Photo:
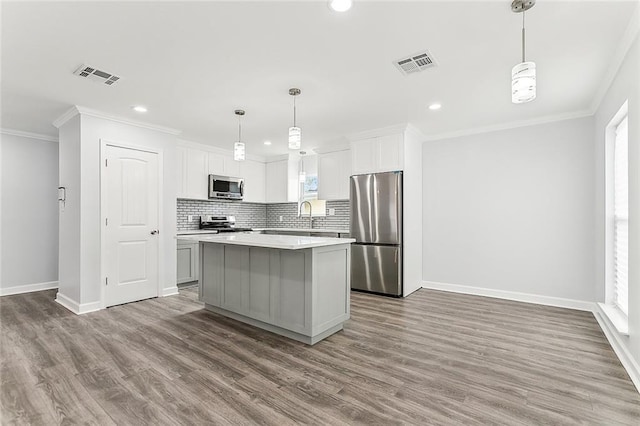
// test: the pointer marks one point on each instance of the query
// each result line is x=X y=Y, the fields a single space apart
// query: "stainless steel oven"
x=226 y=187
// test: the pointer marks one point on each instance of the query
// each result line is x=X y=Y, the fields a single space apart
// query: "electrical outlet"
x=332 y=212
x=280 y=218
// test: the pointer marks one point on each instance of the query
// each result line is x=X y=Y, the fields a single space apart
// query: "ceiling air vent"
x=96 y=75
x=415 y=63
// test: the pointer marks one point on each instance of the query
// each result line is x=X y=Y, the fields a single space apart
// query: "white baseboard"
x=75 y=307
x=559 y=302
x=169 y=291
x=617 y=342
x=28 y=288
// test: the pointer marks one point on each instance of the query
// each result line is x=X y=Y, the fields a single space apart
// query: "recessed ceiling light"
x=434 y=107
x=267 y=143
x=139 y=108
x=340 y=5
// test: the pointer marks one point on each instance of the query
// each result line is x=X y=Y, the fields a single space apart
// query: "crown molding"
x=511 y=125
x=384 y=131
x=75 y=110
x=629 y=37
x=217 y=149
x=66 y=116
x=29 y=135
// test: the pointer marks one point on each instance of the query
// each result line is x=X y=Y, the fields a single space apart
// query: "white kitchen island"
x=297 y=287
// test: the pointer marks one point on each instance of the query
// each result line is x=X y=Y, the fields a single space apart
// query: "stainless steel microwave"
x=226 y=187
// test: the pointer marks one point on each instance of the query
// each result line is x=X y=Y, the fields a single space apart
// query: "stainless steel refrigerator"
x=376 y=225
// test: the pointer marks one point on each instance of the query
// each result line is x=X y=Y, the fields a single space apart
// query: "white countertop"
x=284 y=242
x=333 y=231
x=209 y=231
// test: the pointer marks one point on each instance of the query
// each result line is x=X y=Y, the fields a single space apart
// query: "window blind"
x=621 y=217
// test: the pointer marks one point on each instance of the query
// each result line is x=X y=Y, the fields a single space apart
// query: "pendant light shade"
x=523 y=75
x=238 y=147
x=523 y=82
x=295 y=137
x=295 y=134
x=238 y=151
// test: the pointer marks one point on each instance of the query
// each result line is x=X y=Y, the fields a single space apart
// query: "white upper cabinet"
x=282 y=181
x=254 y=174
x=181 y=159
x=195 y=165
x=334 y=170
x=377 y=154
x=195 y=175
x=390 y=153
x=223 y=165
x=277 y=174
x=363 y=156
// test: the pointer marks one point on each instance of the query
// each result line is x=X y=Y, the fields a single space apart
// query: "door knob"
x=155 y=231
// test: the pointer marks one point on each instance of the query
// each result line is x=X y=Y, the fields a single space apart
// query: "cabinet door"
x=197 y=174
x=235 y=288
x=334 y=169
x=212 y=268
x=277 y=185
x=223 y=165
x=254 y=174
x=363 y=156
x=181 y=159
x=260 y=301
x=389 y=153
x=231 y=166
x=290 y=275
x=216 y=164
x=187 y=262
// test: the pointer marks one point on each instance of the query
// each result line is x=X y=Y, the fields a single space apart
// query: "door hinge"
x=106 y=162
x=106 y=221
x=106 y=280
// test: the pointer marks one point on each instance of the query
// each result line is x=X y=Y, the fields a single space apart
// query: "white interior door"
x=131 y=225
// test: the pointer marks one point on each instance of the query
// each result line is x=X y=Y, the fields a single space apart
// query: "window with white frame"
x=620 y=249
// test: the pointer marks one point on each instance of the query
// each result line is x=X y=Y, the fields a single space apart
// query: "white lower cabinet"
x=188 y=262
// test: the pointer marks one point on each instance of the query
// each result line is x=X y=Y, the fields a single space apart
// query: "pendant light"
x=302 y=176
x=523 y=75
x=295 y=134
x=238 y=147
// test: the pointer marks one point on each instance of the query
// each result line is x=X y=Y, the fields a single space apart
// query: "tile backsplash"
x=248 y=215
x=290 y=219
x=256 y=215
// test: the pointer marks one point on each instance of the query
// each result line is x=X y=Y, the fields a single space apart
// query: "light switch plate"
x=332 y=212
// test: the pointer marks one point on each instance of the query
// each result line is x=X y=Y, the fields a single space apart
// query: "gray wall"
x=29 y=218
x=512 y=210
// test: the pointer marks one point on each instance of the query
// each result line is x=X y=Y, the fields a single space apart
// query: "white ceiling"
x=193 y=63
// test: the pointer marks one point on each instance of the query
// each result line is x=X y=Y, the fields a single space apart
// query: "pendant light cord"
x=523 y=47
x=239 y=128
x=294 y=111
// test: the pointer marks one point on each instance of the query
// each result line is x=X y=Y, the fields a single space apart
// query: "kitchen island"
x=294 y=286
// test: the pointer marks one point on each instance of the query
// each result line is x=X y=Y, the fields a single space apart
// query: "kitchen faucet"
x=310 y=212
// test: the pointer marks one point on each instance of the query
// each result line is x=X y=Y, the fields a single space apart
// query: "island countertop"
x=284 y=242
x=286 y=230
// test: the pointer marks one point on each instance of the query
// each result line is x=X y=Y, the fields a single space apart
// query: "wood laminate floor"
x=433 y=358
